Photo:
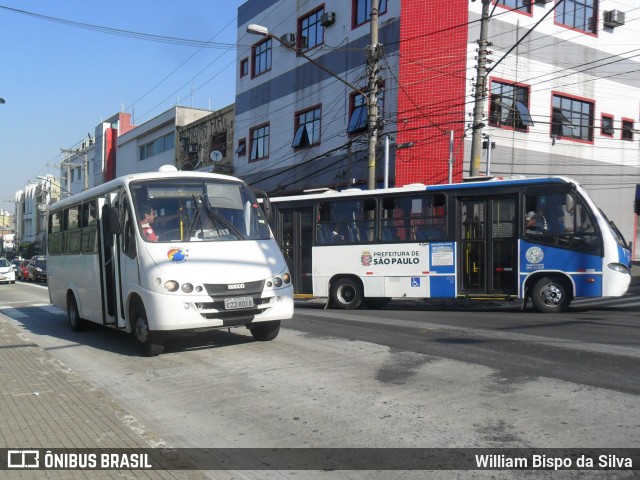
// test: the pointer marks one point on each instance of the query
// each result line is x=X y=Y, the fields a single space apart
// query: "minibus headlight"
x=171 y=285
x=278 y=281
x=187 y=288
x=619 y=267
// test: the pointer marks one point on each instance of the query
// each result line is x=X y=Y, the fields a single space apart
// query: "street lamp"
x=372 y=95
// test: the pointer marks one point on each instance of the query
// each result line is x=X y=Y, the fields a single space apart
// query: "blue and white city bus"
x=167 y=252
x=472 y=240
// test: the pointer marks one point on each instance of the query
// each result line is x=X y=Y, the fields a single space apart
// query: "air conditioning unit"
x=613 y=18
x=327 y=19
x=192 y=148
x=304 y=43
x=289 y=39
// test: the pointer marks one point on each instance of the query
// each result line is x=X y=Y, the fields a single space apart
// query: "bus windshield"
x=203 y=210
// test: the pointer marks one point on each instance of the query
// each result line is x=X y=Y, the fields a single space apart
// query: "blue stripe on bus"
x=489 y=183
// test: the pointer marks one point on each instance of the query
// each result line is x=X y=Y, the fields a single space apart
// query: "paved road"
x=421 y=377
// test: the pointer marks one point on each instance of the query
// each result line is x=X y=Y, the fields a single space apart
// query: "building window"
x=572 y=118
x=359 y=111
x=261 y=54
x=244 y=67
x=307 y=128
x=508 y=106
x=627 y=129
x=159 y=145
x=259 y=141
x=362 y=11
x=310 y=30
x=519 y=5
x=578 y=14
x=219 y=143
x=241 y=149
x=606 y=125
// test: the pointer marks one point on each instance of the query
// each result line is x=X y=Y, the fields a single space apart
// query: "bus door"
x=127 y=268
x=106 y=253
x=488 y=246
x=296 y=239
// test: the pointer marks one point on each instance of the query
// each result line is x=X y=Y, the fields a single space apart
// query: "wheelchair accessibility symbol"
x=415 y=281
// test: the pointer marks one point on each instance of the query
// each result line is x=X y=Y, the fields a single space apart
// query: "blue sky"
x=59 y=81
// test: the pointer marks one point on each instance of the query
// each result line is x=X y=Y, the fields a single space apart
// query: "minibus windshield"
x=197 y=210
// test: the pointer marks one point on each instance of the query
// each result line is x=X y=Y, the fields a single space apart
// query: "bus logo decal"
x=534 y=255
x=366 y=258
x=235 y=286
x=177 y=254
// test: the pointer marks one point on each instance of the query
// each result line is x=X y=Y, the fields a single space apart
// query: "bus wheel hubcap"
x=347 y=294
x=552 y=294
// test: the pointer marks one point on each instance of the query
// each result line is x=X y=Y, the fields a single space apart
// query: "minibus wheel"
x=150 y=344
x=550 y=295
x=76 y=323
x=265 y=331
x=346 y=294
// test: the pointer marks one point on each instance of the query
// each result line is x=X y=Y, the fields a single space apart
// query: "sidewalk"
x=45 y=405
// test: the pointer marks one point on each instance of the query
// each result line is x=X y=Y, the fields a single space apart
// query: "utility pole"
x=481 y=87
x=373 y=55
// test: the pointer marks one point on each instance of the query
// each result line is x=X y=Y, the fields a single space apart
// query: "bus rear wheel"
x=150 y=344
x=76 y=323
x=346 y=294
x=550 y=295
x=265 y=331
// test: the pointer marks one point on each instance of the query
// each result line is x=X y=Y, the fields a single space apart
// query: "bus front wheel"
x=76 y=323
x=265 y=331
x=346 y=294
x=150 y=344
x=550 y=295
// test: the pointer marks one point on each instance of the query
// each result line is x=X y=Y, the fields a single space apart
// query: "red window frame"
x=622 y=129
x=602 y=132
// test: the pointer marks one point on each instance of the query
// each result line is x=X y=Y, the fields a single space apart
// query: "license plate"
x=238 y=302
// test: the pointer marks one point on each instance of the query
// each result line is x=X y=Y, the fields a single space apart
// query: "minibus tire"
x=265 y=331
x=346 y=294
x=150 y=345
x=76 y=323
x=550 y=295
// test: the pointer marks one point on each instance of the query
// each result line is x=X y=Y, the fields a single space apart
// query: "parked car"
x=7 y=275
x=37 y=269
x=23 y=271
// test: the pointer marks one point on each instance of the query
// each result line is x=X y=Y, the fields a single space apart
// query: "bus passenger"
x=531 y=226
x=147 y=217
x=336 y=236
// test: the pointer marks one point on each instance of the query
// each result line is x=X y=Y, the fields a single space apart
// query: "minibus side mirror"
x=266 y=204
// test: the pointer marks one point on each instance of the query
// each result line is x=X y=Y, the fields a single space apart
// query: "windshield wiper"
x=216 y=217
